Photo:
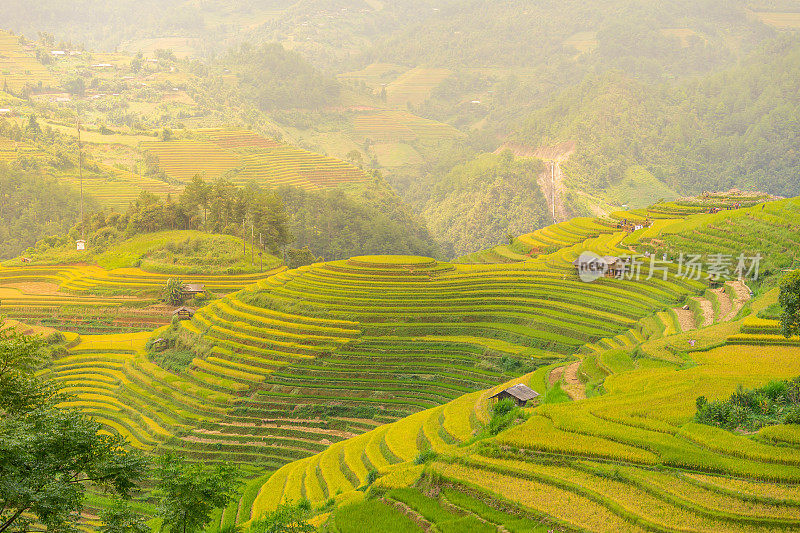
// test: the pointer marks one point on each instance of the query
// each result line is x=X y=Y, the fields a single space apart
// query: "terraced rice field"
x=10 y=150
x=785 y=21
x=414 y=86
x=253 y=158
x=116 y=188
x=415 y=331
x=92 y=299
x=631 y=460
x=19 y=67
x=667 y=218
x=183 y=159
x=318 y=379
x=398 y=126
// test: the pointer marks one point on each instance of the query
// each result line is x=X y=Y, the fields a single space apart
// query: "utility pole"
x=244 y=238
x=553 y=181
x=261 y=251
x=80 y=164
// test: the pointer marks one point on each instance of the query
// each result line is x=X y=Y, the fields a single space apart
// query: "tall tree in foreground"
x=190 y=492
x=49 y=454
x=789 y=300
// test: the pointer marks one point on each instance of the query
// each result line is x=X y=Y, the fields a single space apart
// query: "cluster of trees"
x=318 y=225
x=477 y=204
x=273 y=78
x=32 y=206
x=336 y=225
x=218 y=207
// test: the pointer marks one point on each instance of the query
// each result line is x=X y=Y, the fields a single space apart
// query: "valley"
x=449 y=266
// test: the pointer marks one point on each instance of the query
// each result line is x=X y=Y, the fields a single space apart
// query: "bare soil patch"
x=685 y=319
x=555 y=375
x=575 y=387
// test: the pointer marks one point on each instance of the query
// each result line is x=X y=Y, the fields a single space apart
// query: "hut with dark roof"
x=521 y=394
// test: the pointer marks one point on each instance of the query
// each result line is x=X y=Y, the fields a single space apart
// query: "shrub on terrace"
x=789 y=301
x=778 y=402
x=173 y=293
x=288 y=517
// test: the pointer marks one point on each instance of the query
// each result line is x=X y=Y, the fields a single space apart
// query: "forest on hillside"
x=675 y=98
x=735 y=128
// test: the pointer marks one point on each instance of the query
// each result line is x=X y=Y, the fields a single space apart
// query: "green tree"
x=189 y=493
x=121 y=518
x=286 y=518
x=173 y=292
x=789 y=300
x=49 y=454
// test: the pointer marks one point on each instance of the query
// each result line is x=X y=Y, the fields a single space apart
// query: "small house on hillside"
x=612 y=266
x=521 y=394
x=192 y=289
x=183 y=313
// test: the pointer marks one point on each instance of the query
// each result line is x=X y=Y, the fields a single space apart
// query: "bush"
x=424 y=456
x=793 y=417
x=55 y=338
x=775 y=403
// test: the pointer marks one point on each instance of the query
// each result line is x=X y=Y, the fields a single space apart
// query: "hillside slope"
x=629 y=458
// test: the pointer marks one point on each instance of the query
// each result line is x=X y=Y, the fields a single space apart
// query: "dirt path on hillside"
x=575 y=387
x=551 y=179
x=725 y=304
x=555 y=375
x=742 y=292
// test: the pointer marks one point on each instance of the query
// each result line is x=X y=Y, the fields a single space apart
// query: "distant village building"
x=192 y=289
x=521 y=394
x=80 y=244
x=611 y=265
x=102 y=65
x=5 y=111
x=183 y=313
x=58 y=52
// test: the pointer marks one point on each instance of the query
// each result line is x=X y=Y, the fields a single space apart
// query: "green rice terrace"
x=364 y=386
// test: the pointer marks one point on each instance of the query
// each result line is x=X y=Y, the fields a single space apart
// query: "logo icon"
x=590 y=267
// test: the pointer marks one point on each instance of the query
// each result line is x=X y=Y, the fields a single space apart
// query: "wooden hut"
x=183 y=313
x=192 y=289
x=521 y=394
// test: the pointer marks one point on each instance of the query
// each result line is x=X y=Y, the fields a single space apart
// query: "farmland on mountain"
x=441 y=266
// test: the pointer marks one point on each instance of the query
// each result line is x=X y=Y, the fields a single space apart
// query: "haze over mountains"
x=671 y=99
x=508 y=266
